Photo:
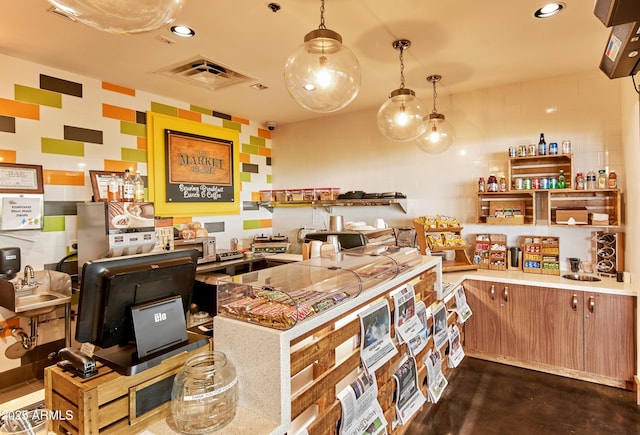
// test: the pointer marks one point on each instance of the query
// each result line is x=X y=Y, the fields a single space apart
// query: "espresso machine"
x=113 y=229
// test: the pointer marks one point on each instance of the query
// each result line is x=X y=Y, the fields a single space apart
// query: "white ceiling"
x=472 y=44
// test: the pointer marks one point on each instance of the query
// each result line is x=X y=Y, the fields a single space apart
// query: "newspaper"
x=456 y=352
x=420 y=340
x=361 y=412
x=462 y=307
x=376 y=346
x=436 y=382
x=407 y=323
x=409 y=396
x=440 y=330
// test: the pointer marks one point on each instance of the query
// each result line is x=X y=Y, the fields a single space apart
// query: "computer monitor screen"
x=111 y=287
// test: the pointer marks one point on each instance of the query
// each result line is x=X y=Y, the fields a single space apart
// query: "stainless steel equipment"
x=272 y=244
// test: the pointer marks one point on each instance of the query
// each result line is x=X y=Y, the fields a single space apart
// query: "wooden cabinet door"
x=609 y=335
x=560 y=330
x=520 y=317
x=482 y=329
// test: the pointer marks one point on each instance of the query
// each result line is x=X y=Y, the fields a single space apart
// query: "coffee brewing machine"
x=114 y=229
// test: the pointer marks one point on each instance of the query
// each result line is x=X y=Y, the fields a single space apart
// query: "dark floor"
x=485 y=398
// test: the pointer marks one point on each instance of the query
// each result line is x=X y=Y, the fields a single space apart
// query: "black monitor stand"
x=160 y=330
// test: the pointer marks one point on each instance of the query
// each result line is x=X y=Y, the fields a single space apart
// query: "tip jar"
x=205 y=393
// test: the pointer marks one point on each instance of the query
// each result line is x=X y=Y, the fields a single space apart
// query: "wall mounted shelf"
x=375 y=202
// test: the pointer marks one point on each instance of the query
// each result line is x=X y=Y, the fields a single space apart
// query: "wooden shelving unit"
x=487 y=203
x=541 y=254
x=600 y=201
x=491 y=251
x=541 y=166
x=461 y=260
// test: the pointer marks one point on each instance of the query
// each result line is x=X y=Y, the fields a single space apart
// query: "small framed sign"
x=19 y=178
x=100 y=183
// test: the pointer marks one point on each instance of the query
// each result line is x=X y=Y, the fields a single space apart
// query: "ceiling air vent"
x=205 y=72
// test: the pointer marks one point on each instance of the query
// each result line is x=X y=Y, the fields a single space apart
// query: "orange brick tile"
x=245 y=158
x=187 y=114
x=142 y=143
x=63 y=178
x=255 y=196
x=266 y=223
x=121 y=113
x=182 y=220
x=240 y=120
x=7 y=156
x=117 y=88
x=266 y=134
x=19 y=109
x=264 y=151
x=120 y=166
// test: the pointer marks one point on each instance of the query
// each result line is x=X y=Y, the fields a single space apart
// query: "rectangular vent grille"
x=205 y=72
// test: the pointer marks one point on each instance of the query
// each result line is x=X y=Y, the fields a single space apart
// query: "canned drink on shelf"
x=522 y=151
x=518 y=184
x=553 y=183
x=544 y=183
x=513 y=151
x=535 y=182
x=553 y=148
x=531 y=150
x=566 y=147
x=526 y=183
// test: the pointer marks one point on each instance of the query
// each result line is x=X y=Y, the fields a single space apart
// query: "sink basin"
x=579 y=277
x=39 y=303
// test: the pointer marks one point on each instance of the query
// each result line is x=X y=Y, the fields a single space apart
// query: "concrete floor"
x=485 y=398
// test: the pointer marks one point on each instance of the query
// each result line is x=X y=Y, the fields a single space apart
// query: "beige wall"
x=347 y=151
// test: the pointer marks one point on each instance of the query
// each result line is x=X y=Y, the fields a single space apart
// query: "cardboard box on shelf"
x=580 y=215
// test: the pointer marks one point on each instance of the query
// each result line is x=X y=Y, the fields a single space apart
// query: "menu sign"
x=199 y=168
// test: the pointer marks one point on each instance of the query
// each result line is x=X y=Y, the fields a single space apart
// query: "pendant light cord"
x=401 y=67
x=435 y=95
x=322 y=26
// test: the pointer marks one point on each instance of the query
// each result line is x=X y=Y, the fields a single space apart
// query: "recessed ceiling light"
x=184 y=31
x=549 y=10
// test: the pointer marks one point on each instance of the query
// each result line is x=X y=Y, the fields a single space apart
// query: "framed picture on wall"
x=100 y=183
x=19 y=178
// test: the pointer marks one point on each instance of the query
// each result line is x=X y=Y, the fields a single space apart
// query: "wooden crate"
x=541 y=254
x=110 y=403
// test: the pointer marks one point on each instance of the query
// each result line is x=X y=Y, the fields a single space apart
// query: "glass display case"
x=282 y=296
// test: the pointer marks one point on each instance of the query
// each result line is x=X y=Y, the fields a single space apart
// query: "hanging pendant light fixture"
x=121 y=16
x=439 y=134
x=401 y=117
x=322 y=75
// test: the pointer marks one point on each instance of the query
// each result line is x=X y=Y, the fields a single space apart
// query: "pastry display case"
x=281 y=296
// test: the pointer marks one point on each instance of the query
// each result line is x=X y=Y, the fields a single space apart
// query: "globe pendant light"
x=121 y=16
x=401 y=117
x=322 y=75
x=439 y=134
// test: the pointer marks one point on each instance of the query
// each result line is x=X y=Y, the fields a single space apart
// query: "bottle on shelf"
x=492 y=183
x=502 y=185
x=562 y=181
x=542 y=146
x=138 y=187
x=127 y=186
x=481 y=185
x=580 y=183
x=591 y=180
x=113 y=189
x=613 y=180
x=602 y=179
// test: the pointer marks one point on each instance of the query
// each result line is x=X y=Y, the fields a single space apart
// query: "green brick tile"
x=133 y=129
x=251 y=224
x=202 y=110
x=255 y=140
x=60 y=146
x=245 y=177
x=164 y=109
x=249 y=149
x=53 y=223
x=38 y=96
x=134 y=155
x=269 y=181
x=231 y=125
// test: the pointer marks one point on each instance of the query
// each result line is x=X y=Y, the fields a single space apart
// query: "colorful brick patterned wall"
x=71 y=124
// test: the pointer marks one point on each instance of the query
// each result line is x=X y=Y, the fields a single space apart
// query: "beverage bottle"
x=613 y=180
x=492 y=183
x=127 y=187
x=580 y=181
x=591 y=180
x=113 y=189
x=138 y=188
x=602 y=179
x=562 y=181
x=542 y=146
x=502 y=185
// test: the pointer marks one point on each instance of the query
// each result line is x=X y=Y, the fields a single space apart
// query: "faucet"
x=29 y=275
